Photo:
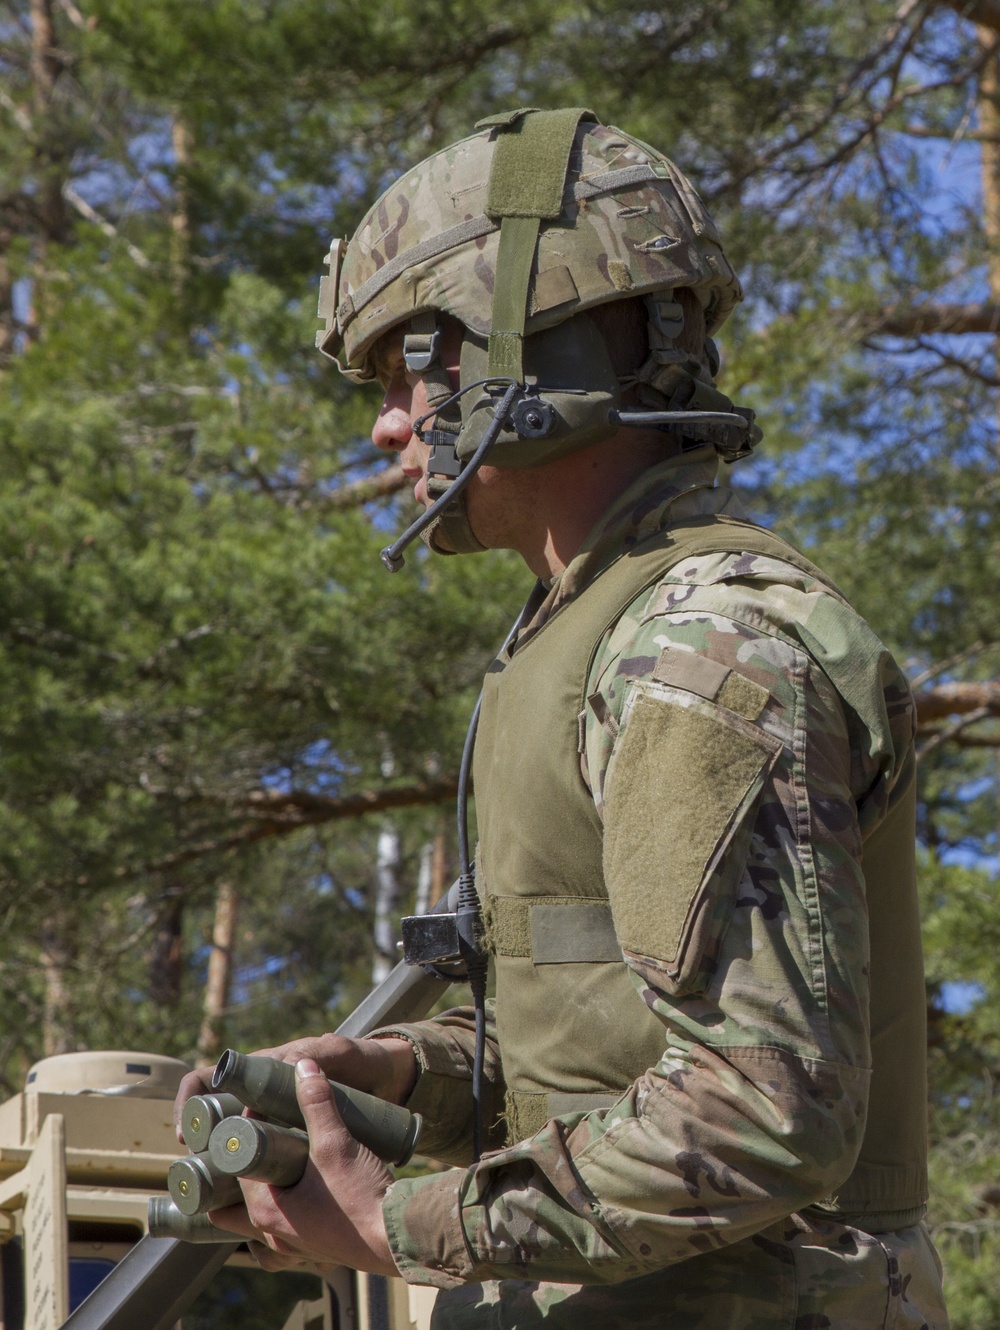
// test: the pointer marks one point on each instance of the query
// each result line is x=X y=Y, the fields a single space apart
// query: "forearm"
x=704 y=1150
x=444 y=1049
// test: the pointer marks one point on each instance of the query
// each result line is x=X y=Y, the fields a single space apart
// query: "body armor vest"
x=573 y=1032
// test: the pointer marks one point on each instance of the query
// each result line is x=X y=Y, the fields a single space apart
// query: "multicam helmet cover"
x=630 y=224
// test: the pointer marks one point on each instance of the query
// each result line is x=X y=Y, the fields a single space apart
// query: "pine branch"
x=951 y=662
x=917 y=320
x=953 y=730
x=357 y=492
x=278 y=813
x=957 y=362
x=962 y=740
x=984 y=12
x=75 y=17
x=92 y=215
x=949 y=135
x=957 y=699
x=21 y=117
x=305 y=807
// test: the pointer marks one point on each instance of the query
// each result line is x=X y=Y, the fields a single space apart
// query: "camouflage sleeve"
x=728 y=760
x=442 y=1096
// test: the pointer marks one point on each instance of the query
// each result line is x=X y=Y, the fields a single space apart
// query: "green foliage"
x=961 y=909
x=965 y=1218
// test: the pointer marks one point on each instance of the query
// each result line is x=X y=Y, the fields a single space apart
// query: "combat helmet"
x=516 y=232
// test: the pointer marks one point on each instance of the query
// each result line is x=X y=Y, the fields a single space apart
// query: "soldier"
x=695 y=791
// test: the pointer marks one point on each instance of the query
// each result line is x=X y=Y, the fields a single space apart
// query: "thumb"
x=312 y=1089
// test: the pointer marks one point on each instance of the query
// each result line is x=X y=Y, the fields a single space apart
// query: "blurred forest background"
x=228 y=740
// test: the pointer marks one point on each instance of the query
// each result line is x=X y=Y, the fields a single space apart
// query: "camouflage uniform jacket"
x=697 y=1199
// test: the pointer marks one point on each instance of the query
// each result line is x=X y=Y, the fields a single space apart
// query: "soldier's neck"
x=572 y=493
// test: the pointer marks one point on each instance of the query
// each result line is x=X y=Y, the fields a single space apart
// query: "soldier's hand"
x=383 y=1067
x=334 y=1215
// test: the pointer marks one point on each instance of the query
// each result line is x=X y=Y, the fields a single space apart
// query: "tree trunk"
x=50 y=158
x=166 y=956
x=182 y=142
x=988 y=99
x=220 y=975
x=386 y=900
x=425 y=877
x=6 y=299
x=439 y=873
x=58 y=953
x=50 y=152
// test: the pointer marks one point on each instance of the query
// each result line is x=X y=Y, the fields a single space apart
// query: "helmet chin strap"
x=392 y=555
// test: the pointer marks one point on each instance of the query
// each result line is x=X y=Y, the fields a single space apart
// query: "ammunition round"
x=247 y=1148
x=196 y=1186
x=166 y=1221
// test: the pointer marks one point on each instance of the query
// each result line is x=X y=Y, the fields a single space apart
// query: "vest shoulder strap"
x=720 y=535
x=617 y=586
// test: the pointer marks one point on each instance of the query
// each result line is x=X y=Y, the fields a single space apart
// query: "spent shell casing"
x=247 y=1148
x=164 y=1220
x=268 y=1087
x=202 y=1113
x=197 y=1186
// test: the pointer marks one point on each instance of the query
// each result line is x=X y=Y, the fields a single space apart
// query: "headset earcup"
x=570 y=367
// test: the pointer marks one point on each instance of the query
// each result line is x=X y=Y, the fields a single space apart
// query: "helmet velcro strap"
x=526 y=186
x=518 y=238
x=327 y=310
x=528 y=172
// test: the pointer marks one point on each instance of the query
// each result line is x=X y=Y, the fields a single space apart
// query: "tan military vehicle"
x=82 y=1149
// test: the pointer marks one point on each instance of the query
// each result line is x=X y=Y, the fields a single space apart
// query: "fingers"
x=358 y=1062
x=268 y=1250
x=234 y=1219
x=326 y=1047
x=334 y=1214
x=383 y=1067
x=195 y=1082
x=269 y=1259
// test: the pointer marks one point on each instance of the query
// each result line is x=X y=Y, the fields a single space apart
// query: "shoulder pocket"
x=682 y=789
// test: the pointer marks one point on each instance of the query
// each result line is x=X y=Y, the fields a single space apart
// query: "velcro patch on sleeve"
x=685 y=669
x=742 y=695
x=680 y=790
x=711 y=680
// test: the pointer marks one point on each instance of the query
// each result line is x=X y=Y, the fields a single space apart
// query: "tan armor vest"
x=572 y=1030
